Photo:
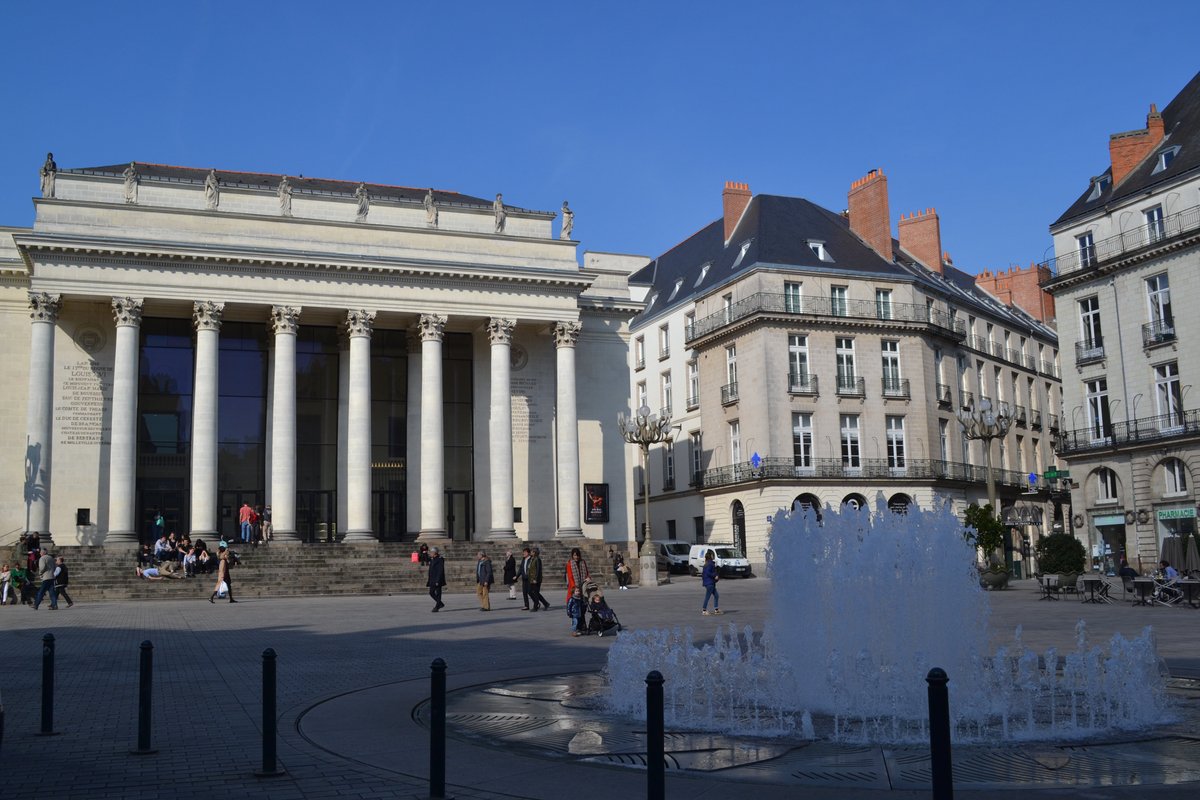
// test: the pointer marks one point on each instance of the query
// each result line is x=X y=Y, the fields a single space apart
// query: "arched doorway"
x=899 y=503
x=807 y=503
x=739 y=526
x=856 y=501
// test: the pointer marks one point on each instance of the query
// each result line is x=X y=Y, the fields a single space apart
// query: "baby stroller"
x=601 y=618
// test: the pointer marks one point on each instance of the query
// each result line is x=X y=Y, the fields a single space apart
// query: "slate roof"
x=270 y=182
x=1181 y=126
x=777 y=231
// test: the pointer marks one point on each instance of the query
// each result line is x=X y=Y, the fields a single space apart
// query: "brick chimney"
x=921 y=236
x=869 y=216
x=735 y=198
x=1129 y=149
x=1021 y=288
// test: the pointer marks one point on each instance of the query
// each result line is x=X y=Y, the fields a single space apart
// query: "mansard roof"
x=1181 y=127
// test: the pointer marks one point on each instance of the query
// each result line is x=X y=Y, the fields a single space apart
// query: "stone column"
x=358 y=428
x=206 y=315
x=412 y=446
x=566 y=334
x=39 y=420
x=433 y=457
x=122 y=463
x=500 y=447
x=285 y=322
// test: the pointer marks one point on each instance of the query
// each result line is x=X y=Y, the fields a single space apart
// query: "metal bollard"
x=145 y=677
x=939 y=734
x=437 y=730
x=47 y=686
x=270 y=723
x=656 y=768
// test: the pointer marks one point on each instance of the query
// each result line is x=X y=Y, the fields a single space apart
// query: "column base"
x=121 y=539
x=432 y=535
x=502 y=535
x=283 y=537
x=207 y=536
x=569 y=533
x=360 y=537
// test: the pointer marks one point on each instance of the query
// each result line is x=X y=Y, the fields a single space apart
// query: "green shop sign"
x=1177 y=513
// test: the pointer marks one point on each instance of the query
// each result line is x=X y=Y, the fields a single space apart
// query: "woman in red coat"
x=577 y=573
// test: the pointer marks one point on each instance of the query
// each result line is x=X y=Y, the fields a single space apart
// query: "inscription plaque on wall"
x=528 y=419
x=83 y=388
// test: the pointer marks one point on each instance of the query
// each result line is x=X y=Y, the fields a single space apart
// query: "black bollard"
x=656 y=766
x=270 y=765
x=145 y=676
x=939 y=734
x=437 y=730
x=47 y=685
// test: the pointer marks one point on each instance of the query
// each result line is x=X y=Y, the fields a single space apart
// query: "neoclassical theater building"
x=371 y=362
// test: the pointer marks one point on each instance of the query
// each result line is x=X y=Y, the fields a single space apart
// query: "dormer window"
x=1099 y=186
x=1165 y=157
x=741 y=254
x=703 y=274
x=675 y=291
x=650 y=302
x=818 y=248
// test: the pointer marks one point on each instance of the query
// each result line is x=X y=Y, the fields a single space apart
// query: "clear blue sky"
x=994 y=113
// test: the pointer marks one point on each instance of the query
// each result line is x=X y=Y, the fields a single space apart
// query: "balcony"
x=978 y=343
x=1089 y=351
x=1158 y=332
x=639 y=362
x=824 y=307
x=693 y=402
x=802 y=383
x=945 y=397
x=896 y=388
x=664 y=354
x=1147 y=430
x=966 y=399
x=729 y=393
x=997 y=349
x=850 y=386
x=1048 y=368
x=1035 y=419
x=865 y=468
x=1020 y=416
x=1052 y=422
x=1112 y=248
x=1030 y=362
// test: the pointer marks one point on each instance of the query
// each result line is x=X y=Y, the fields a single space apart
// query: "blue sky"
x=996 y=114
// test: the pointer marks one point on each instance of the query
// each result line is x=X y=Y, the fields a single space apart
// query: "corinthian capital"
x=127 y=311
x=566 y=334
x=500 y=330
x=432 y=327
x=206 y=315
x=359 y=321
x=44 y=307
x=285 y=319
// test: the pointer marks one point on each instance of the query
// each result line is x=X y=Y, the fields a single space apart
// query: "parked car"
x=671 y=555
x=729 y=560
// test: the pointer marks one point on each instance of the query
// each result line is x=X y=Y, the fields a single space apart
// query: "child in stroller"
x=602 y=619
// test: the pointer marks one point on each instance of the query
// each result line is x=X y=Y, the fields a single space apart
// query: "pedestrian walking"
x=709 y=578
x=62 y=579
x=510 y=574
x=484 y=578
x=577 y=573
x=45 y=568
x=436 y=578
x=523 y=575
x=534 y=572
x=225 y=562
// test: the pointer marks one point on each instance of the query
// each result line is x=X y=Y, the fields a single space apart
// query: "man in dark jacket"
x=534 y=574
x=523 y=574
x=62 y=579
x=436 y=577
x=484 y=577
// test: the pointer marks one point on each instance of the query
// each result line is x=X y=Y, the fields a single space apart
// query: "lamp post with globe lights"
x=645 y=429
x=985 y=424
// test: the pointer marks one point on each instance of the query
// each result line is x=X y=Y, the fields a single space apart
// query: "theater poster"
x=595 y=508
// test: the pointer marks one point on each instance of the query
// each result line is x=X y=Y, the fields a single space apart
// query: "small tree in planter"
x=1060 y=553
x=986 y=533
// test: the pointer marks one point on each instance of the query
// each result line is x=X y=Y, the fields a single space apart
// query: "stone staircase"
x=277 y=570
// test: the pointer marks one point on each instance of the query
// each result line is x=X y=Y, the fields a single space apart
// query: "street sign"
x=1055 y=474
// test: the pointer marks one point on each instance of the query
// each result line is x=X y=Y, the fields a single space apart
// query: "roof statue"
x=431 y=210
x=498 y=207
x=285 y=197
x=212 y=191
x=364 y=202
x=48 y=172
x=568 y=222
x=131 y=183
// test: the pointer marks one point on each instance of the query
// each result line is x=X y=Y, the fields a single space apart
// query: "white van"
x=671 y=555
x=728 y=558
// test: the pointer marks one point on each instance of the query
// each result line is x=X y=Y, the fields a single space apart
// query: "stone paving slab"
x=207 y=685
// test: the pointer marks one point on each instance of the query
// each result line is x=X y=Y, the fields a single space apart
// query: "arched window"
x=1106 y=485
x=855 y=501
x=899 y=503
x=1175 y=477
x=807 y=503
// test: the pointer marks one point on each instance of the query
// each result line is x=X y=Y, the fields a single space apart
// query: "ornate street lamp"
x=984 y=424
x=646 y=429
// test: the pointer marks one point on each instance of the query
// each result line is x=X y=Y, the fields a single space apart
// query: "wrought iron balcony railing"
x=851 y=386
x=693 y=402
x=802 y=383
x=729 y=393
x=1163 y=427
x=966 y=399
x=1091 y=257
x=1052 y=421
x=1020 y=415
x=1158 y=332
x=865 y=468
x=1048 y=368
x=767 y=302
x=896 y=388
x=1089 y=350
x=945 y=397
x=1035 y=419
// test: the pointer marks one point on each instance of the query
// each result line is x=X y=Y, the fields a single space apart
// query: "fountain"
x=863 y=605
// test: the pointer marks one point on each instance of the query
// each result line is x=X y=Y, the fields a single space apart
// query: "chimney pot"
x=734 y=200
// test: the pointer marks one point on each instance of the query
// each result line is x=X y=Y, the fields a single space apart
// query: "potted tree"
x=986 y=532
x=1061 y=554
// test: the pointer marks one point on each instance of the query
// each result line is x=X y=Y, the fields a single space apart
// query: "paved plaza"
x=336 y=740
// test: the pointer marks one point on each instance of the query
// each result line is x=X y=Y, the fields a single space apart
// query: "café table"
x=1144 y=588
x=1191 y=591
x=1090 y=584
